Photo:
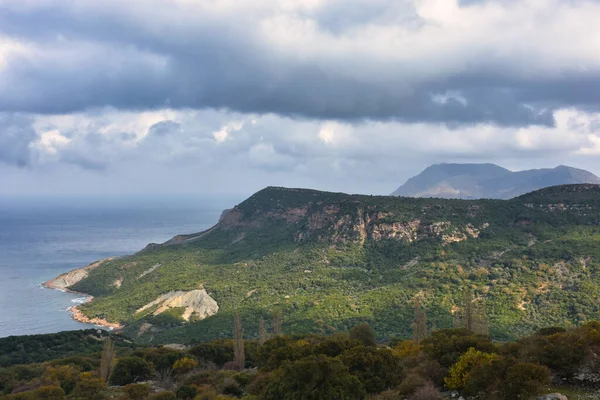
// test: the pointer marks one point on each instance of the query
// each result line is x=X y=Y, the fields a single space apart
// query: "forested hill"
x=330 y=260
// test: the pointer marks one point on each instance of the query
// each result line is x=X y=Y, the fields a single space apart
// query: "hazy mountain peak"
x=469 y=181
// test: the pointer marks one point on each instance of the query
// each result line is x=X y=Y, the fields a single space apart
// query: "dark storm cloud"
x=16 y=133
x=102 y=57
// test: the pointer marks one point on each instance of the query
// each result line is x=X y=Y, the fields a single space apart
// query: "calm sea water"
x=41 y=238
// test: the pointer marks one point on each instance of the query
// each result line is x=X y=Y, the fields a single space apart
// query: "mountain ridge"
x=331 y=260
x=473 y=181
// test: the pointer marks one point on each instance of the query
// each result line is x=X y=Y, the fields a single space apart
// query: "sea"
x=41 y=238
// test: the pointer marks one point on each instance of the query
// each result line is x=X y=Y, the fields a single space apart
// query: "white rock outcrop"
x=197 y=303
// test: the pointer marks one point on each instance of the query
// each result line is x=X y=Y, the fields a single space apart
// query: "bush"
x=231 y=387
x=184 y=365
x=411 y=383
x=326 y=377
x=89 y=388
x=163 y=396
x=376 y=369
x=186 y=392
x=447 y=345
x=64 y=376
x=525 y=379
x=364 y=333
x=459 y=373
x=335 y=345
x=137 y=391
x=129 y=370
x=274 y=352
x=218 y=351
x=427 y=392
x=50 y=393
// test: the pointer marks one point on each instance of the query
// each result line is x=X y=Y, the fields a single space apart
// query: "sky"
x=228 y=96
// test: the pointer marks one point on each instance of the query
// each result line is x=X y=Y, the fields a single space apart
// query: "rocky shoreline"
x=62 y=282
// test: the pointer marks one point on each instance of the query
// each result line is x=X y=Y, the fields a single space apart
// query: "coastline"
x=76 y=313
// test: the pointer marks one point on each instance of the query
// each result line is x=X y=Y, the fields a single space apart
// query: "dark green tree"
x=130 y=370
x=377 y=369
x=364 y=333
x=314 y=378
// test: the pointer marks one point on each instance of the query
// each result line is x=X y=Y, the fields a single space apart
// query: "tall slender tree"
x=468 y=314
x=238 y=349
x=419 y=325
x=262 y=331
x=277 y=321
x=107 y=359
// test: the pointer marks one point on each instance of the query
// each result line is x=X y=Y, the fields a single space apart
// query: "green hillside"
x=331 y=260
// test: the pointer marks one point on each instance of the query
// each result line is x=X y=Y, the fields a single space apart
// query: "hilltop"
x=475 y=181
x=332 y=260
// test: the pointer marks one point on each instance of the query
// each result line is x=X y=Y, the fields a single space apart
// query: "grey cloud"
x=223 y=65
x=16 y=134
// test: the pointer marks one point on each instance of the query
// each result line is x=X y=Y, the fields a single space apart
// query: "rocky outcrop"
x=80 y=317
x=63 y=281
x=197 y=304
x=553 y=396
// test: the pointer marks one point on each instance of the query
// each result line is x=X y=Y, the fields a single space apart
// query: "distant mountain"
x=488 y=181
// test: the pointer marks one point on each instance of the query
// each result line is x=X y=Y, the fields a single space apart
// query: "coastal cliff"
x=63 y=281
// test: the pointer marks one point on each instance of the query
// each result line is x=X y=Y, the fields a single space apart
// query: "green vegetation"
x=40 y=348
x=330 y=261
x=326 y=367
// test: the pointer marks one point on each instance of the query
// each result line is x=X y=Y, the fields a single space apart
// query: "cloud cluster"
x=507 y=62
x=352 y=95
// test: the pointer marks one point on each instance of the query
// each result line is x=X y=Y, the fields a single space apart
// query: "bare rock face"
x=63 y=281
x=553 y=396
x=197 y=303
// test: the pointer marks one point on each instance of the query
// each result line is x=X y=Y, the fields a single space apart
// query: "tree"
x=459 y=372
x=364 y=333
x=447 y=345
x=377 y=369
x=107 y=359
x=525 y=379
x=89 y=388
x=277 y=321
x=313 y=378
x=419 y=325
x=471 y=316
x=129 y=370
x=239 y=357
x=262 y=332
x=184 y=365
x=137 y=391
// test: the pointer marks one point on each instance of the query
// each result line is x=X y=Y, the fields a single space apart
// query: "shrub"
x=427 y=392
x=231 y=387
x=365 y=334
x=327 y=378
x=447 y=345
x=50 y=393
x=64 y=376
x=335 y=345
x=129 y=370
x=137 y=391
x=274 y=352
x=376 y=369
x=459 y=372
x=184 y=365
x=89 y=388
x=525 y=379
x=186 y=392
x=163 y=396
x=411 y=383
x=218 y=351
